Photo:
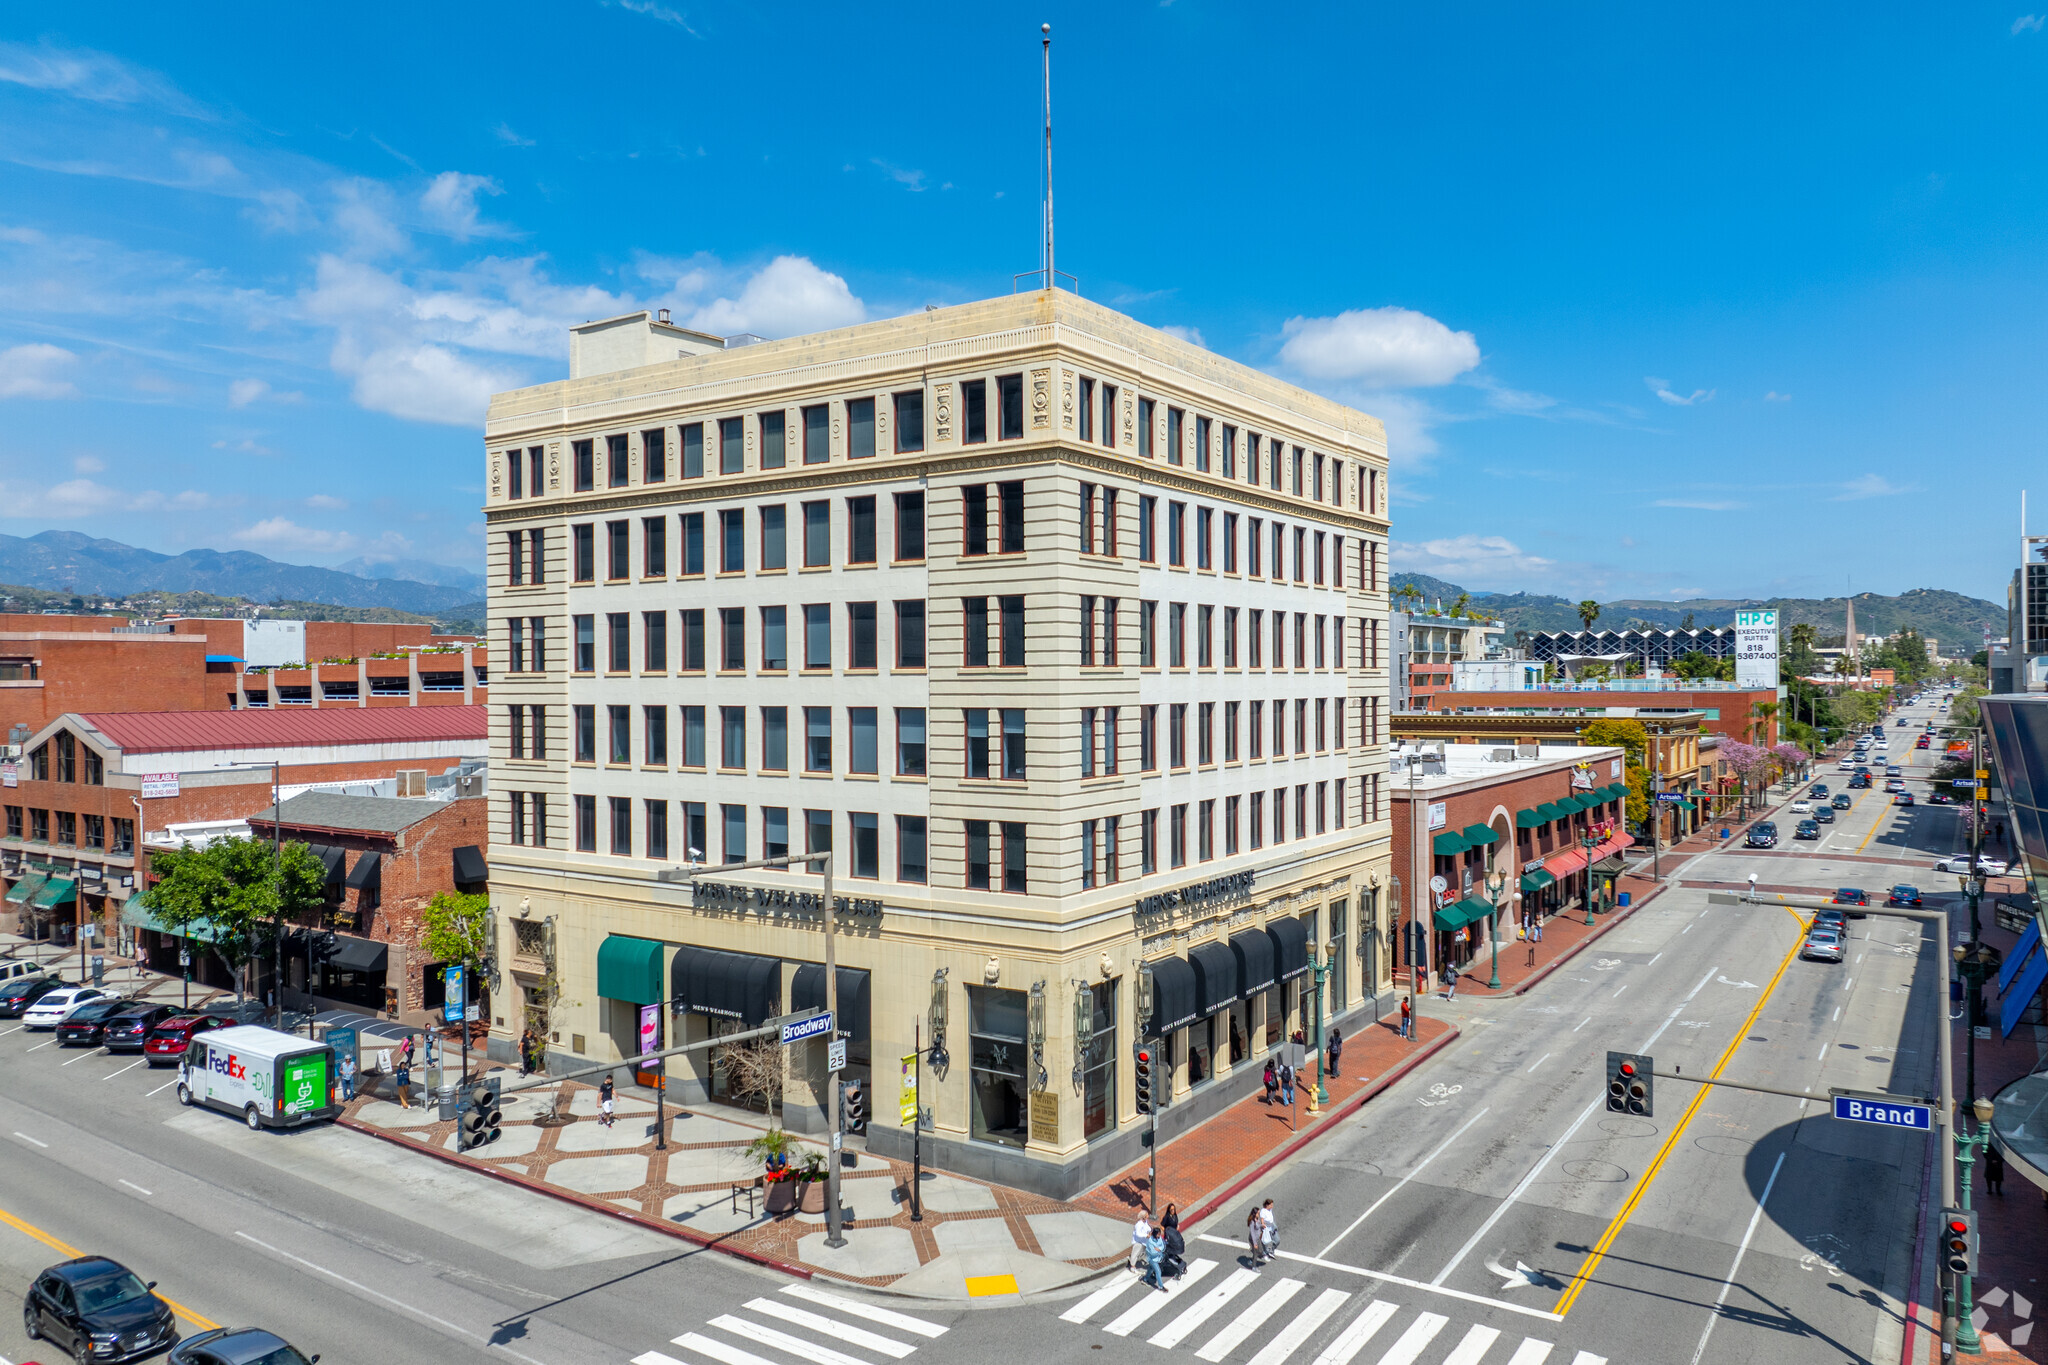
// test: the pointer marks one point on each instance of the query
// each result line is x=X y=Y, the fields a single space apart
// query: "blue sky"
x=1656 y=301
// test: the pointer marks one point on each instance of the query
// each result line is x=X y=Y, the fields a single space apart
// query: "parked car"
x=1806 y=829
x=1822 y=945
x=88 y=1023
x=1903 y=799
x=17 y=995
x=1802 y=807
x=1851 y=895
x=1824 y=814
x=1842 y=801
x=238 y=1346
x=129 y=1029
x=51 y=1010
x=97 y=1309
x=15 y=968
x=1762 y=834
x=1902 y=894
x=169 y=1039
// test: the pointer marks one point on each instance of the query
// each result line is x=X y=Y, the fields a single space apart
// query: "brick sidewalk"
x=1206 y=1165
x=1565 y=935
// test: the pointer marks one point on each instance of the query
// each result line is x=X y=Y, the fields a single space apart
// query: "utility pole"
x=277 y=889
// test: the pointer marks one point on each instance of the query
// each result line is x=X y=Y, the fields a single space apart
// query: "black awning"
x=367 y=874
x=470 y=866
x=729 y=985
x=1255 y=969
x=1290 y=947
x=330 y=858
x=1173 y=996
x=352 y=954
x=807 y=989
x=1216 y=979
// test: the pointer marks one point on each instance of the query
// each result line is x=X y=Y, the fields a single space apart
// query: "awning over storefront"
x=807 y=990
x=55 y=892
x=729 y=985
x=1173 y=996
x=332 y=859
x=368 y=875
x=1478 y=836
x=629 y=969
x=352 y=954
x=1564 y=864
x=1458 y=914
x=1529 y=819
x=1216 y=979
x=1290 y=947
x=1549 y=811
x=1255 y=959
x=1535 y=881
x=23 y=891
x=1448 y=844
x=135 y=913
x=470 y=866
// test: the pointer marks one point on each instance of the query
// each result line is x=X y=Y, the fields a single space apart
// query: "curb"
x=1610 y=922
x=1216 y=1198
x=801 y=1272
x=1909 y=1353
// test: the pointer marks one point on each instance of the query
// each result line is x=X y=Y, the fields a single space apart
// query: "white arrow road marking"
x=1738 y=985
x=1517 y=1278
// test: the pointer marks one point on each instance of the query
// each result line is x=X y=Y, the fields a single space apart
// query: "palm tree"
x=1458 y=607
x=1762 y=712
x=1589 y=612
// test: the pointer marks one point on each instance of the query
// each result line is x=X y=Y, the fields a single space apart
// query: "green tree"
x=1962 y=712
x=1800 y=659
x=1634 y=741
x=1589 y=612
x=1462 y=604
x=230 y=895
x=1761 y=713
x=457 y=928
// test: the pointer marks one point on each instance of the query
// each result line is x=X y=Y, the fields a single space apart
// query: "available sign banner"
x=1756 y=648
x=159 y=784
x=305 y=1083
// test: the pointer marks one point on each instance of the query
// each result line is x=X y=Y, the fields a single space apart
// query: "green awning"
x=1458 y=914
x=136 y=914
x=1571 y=805
x=1478 y=836
x=1529 y=819
x=23 y=890
x=629 y=969
x=1448 y=845
x=1535 y=881
x=1549 y=811
x=55 y=892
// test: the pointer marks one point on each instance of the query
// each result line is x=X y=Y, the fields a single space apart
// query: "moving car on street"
x=238 y=1346
x=52 y=1009
x=1831 y=919
x=1822 y=945
x=1902 y=894
x=1824 y=814
x=1842 y=801
x=1859 y=782
x=1959 y=863
x=97 y=1309
x=1802 y=807
x=1762 y=834
x=1904 y=798
x=1851 y=895
x=1806 y=829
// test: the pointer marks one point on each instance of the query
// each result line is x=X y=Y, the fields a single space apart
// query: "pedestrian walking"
x=604 y=1102
x=526 y=1043
x=1336 y=1052
x=1255 y=1236
x=1174 y=1263
x=348 y=1074
x=1287 y=1084
x=1539 y=928
x=1155 y=1256
x=1141 y=1232
x=1994 y=1170
x=1450 y=983
x=1269 y=1233
x=401 y=1074
x=1272 y=1079
x=1407 y=1018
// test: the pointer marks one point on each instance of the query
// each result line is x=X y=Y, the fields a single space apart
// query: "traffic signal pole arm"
x=1872 y=1095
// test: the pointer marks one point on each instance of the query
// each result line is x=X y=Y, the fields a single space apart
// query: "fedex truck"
x=271 y=1079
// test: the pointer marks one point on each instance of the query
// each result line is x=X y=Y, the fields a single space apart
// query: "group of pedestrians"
x=1159 y=1250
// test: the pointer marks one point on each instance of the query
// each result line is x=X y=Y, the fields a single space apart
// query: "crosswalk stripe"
x=1357 y=1332
x=717 y=1350
x=1588 y=1358
x=1420 y=1333
x=1530 y=1352
x=655 y=1358
x=1134 y=1317
x=1473 y=1346
x=1087 y=1307
x=832 y=1327
x=1300 y=1328
x=1249 y=1321
x=783 y=1341
x=888 y=1317
x=1182 y=1327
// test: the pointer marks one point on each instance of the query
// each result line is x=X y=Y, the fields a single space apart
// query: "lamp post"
x=1496 y=882
x=1977 y=961
x=1967 y=1147
x=1586 y=842
x=1321 y=1096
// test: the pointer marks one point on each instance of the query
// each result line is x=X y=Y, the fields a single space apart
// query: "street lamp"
x=1496 y=882
x=1977 y=961
x=1967 y=1147
x=1586 y=842
x=1322 y=968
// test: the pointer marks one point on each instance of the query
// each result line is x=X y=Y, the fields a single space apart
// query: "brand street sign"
x=1886 y=1114
x=818 y=1025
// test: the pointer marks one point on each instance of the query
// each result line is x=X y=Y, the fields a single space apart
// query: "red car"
x=168 y=1040
x=1920 y=743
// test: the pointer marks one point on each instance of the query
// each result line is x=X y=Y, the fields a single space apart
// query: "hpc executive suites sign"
x=1756 y=649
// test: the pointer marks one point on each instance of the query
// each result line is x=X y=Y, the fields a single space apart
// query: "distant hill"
x=65 y=561
x=1953 y=619
x=416 y=571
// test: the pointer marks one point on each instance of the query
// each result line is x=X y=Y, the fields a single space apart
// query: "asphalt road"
x=1768 y=1232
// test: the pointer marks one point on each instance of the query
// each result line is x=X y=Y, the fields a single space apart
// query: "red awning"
x=1564 y=864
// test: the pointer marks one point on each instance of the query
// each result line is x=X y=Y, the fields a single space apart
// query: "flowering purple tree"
x=1791 y=757
x=1752 y=763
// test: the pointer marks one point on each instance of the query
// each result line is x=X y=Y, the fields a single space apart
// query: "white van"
x=272 y=1079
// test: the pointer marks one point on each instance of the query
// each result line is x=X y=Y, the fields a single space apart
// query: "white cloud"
x=1775 y=397
x=243 y=392
x=450 y=204
x=327 y=502
x=1191 y=335
x=510 y=138
x=1870 y=486
x=31 y=371
x=910 y=180
x=1481 y=558
x=787 y=297
x=89 y=75
x=71 y=499
x=2028 y=23
x=1662 y=388
x=245 y=446
x=285 y=531
x=662 y=13
x=1700 y=504
x=89 y=464
x=1378 y=348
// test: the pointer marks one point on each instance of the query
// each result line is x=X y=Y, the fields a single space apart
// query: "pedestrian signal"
x=1629 y=1084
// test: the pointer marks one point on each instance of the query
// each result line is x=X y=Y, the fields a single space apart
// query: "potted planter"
x=814 y=1184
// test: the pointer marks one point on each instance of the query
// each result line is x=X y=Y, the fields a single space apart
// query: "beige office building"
x=1065 y=637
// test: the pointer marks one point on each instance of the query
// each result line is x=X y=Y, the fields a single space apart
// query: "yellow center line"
x=203 y=1324
x=1600 y=1248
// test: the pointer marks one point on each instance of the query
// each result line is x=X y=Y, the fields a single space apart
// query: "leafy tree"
x=1626 y=735
x=1801 y=659
x=229 y=894
x=1962 y=712
x=1686 y=624
x=457 y=928
x=1462 y=604
x=1761 y=713
x=1589 y=612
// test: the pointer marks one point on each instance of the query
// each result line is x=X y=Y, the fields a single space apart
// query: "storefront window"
x=1240 y=1042
x=996 y=1020
x=1202 y=1051
x=1098 y=1081
x=1276 y=1012
x=1340 y=917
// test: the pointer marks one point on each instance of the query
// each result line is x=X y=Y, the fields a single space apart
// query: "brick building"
x=88 y=790
x=386 y=858
x=1724 y=708
x=1462 y=811
x=50 y=665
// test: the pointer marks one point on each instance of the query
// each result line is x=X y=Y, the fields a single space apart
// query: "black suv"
x=17 y=995
x=97 y=1309
x=1762 y=834
x=129 y=1028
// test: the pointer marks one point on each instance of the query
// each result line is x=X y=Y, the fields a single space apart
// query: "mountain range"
x=1954 y=620
x=66 y=561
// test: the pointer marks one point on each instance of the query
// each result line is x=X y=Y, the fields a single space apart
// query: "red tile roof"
x=170 y=731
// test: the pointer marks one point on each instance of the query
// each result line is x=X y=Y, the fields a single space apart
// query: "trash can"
x=1725 y=834
x=1622 y=901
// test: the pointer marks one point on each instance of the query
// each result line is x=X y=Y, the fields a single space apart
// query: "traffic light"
x=1959 y=1241
x=1144 y=1081
x=482 y=1113
x=1629 y=1084
x=853 y=1107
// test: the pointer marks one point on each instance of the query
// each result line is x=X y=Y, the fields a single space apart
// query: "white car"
x=1959 y=863
x=1802 y=807
x=55 y=1007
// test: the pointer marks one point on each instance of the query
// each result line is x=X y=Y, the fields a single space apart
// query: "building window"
x=910 y=848
x=1230 y=637
x=1087 y=410
x=1256 y=824
x=1109 y=650
x=997 y=1061
x=910 y=634
x=654 y=735
x=818 y=739
x=860 y=530
x=861 y=645
x=1177 y=534
x=910 y=422
x=618 y=461
x=654 y=814
x=732 y=639
x=775 y=739
x=863 y=743
x=619 y=728
x=518 y=832
x=1205 y=733
x=515 y=557
x=1205 y=831
x=1205 y=526
x=1177 y=735
x=514 y=474
x=732 y=445
x=693 y=450
x=1109 y=415
x=622 y=825
x=586 y=824
x=775 y=639
x=1088 y=714
x=817 y=433
x=774 y=453
x=1148 y=510
x=733 y=819
x=774 y=831
x=584 y=455
x=973 y=412
x=977 y=854
x=584 y=540
x=1230 y=826
x=1010 y=398
x=653 y=546
x=1148 y=624
x=1109 y=739
x=1230 y=717
x=866 y=853
x=1148 y=842
x=618 y=630
x=909 y=527
x=1177 y=634
x=1177 y=836
x=694 y=832
x=1258 y=729
x=817 y=534
x=586 y=644
x=860 y=428
x=910 y=741
x=693 y=544
x=1087 y=630
x=732 y=540
x=1148 y=742
x=1205 y=630
x=1145 y=428
x=1087 y=520
x=1229 y=470
x=775 y=537
x=516 y=730
x=817 y=635
x=1202 y=444
x=732 y=729
x=693 y=640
